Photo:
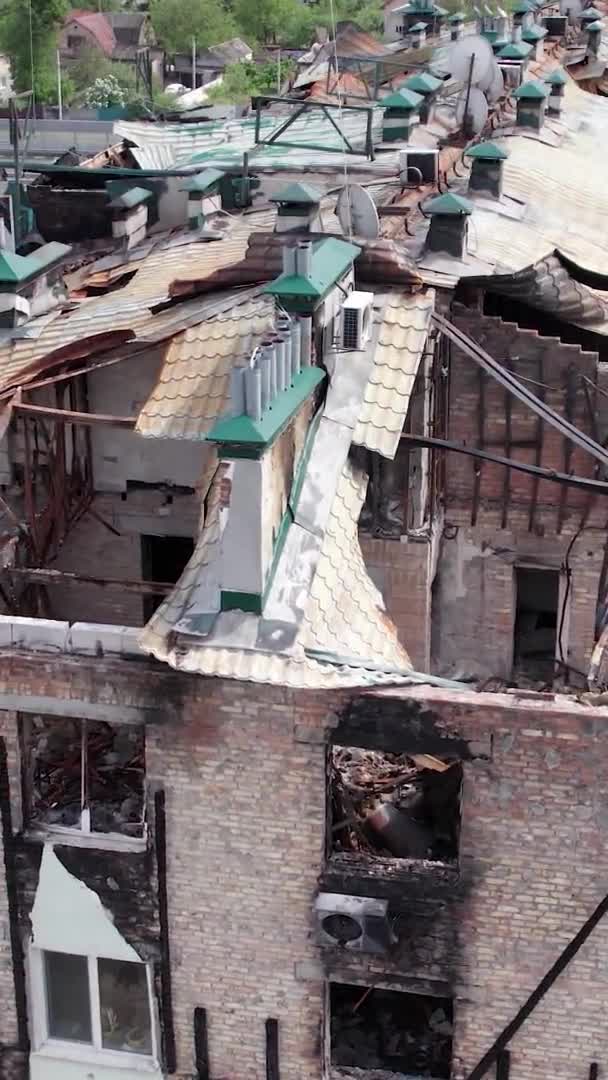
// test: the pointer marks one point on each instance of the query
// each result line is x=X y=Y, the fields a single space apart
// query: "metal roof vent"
x=449 y=216
x=556 y=81
x=531 y=100
x=487 y=163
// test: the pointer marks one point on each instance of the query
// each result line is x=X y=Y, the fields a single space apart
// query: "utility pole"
x=59 y=95
x=194 y=63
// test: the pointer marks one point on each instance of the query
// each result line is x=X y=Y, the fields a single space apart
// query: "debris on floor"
x=85 y=774
x=403 y=1033
x=400 y=805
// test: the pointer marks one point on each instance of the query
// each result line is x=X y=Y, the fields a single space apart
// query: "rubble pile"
x=400 y=805
x=80 y=765
x=408 y=1034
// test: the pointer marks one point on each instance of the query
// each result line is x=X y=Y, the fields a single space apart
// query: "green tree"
x=176 y=22
x=36 y=49
x=269 y=20
x=93 y=64
x=243 y=81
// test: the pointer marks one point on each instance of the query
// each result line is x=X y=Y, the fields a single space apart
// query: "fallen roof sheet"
x=401 y=342
x=194 y=382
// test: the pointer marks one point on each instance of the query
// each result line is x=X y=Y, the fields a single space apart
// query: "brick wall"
x=474 y=597
x=243 y=768
x=402 y=572
x=93 y=548
x=533 y=359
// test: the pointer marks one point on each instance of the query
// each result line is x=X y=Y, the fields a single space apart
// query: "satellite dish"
x=460 y=54
x=486 y=80
x=496 y=90
x=357 y=212
x=476 y=110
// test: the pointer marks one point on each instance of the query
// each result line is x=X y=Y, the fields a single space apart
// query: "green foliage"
x=47 y=17
x=368 y=14
x=104 y=92
x=272 y=20
x=246 y=80
x=176 y=22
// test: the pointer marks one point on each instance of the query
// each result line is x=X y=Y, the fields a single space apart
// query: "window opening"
x=535 y=637
x=163 y=558
x=402 y=1033
x=83 y=774
x=404 y=806
x=98 y=1002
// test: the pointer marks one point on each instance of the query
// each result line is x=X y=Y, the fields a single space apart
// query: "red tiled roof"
x=97 y=25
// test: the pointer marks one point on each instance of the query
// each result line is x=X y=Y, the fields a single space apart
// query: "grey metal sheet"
x=352 y=371
x=329 y=452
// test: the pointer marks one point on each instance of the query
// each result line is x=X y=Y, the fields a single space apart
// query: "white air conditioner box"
x=356 y=923
x=356 y=320
x=418 y=165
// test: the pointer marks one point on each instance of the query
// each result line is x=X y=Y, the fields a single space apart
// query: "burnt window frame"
x=75 y=835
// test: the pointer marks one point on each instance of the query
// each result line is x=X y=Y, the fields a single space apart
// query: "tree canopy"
x=46 y=18
x=176 y=22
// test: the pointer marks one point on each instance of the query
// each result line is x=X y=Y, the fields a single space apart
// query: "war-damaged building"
x=303 y=602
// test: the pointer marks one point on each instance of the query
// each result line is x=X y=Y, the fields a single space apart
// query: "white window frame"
x=93 y=1053
x=82 y=835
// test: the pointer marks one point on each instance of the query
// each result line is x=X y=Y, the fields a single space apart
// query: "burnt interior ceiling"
x=392 y=804
x=73 y=767
x=403 y=1033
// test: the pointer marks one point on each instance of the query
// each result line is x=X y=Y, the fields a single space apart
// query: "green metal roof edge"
x=408 y=100
x=317 y=286
x=531 y=91
x=486 y=151
x=515 y=49
x=597 y=25
x=302 y=194
x=449 y=204
x=202 y=181
x=422 y=79
x=257 y=434
x=128 y=200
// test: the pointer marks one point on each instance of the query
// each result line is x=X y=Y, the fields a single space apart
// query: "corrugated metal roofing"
x=344 y=612
x=401 y=341
x=194 y=381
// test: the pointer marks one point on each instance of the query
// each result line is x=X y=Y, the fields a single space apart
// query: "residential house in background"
x=117 y=35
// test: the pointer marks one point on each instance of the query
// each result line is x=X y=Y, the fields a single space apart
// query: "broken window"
x=97 y=1002
x=404 y=806
x=403 y=1033
x=163 y=558
x=83 y=774
x=536 y=623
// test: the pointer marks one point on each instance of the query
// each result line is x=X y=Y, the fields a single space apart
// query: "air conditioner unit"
x=419 y=165
x=355 y=923
x=357 y=314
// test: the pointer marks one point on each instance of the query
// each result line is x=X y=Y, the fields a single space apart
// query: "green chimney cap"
x=486 y=151
x=202 y=181
x=15 y=269
x=422 y=83
x=557 y=77
x=534 y=33
x=523 y=7
x=532 y=91
x=331 y=258
x=452 y=205
x=457 y=17
x=597 y=25
x=303 y=194
x=403 y=99
x=515 y=50
x=128 y=200
x=417 y=28
x=590 y=13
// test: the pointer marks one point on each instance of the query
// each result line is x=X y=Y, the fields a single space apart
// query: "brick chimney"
x=487 y=162
x=449 y=216
x=535 y=35
x=531 y=100
x=427 y=86
x=401 y=114
x=130 y=215
x=556 y=81
x=203 y=196
x=298 y=208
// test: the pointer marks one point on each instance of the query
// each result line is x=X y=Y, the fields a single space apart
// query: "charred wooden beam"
x=10 y=873
x=68 y=416
x=569 y=414
x=273 y=1071
x=42 y=576
x=538 y=441
x=481 y=410
x=166 y=987
x=506 y=487
x=201 y=1044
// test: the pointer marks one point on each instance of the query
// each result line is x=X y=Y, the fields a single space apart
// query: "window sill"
x=101 y=1059
x=393 y=879
x=62 y=835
